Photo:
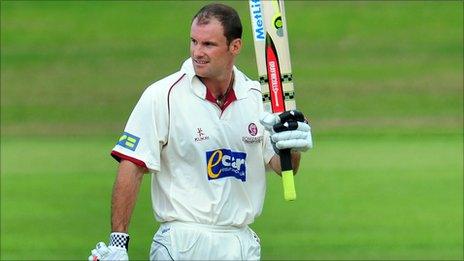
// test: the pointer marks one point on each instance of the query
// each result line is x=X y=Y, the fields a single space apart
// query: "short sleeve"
x=145 y=133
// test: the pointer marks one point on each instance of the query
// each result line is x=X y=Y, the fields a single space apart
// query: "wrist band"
x=119 y=240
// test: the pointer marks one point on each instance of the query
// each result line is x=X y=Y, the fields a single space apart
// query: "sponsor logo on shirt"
x=223 y=163
x=128 y=141
x=201 y=135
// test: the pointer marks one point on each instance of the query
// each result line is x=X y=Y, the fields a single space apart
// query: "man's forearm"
x=125 y=191
x=296 y=156
x=275 y=162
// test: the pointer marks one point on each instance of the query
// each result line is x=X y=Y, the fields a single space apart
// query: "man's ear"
x=235 y=46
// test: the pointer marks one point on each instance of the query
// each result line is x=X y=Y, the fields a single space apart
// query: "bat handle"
x=287 y=175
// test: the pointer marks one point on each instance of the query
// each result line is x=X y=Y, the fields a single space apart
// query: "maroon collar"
x=228 y=99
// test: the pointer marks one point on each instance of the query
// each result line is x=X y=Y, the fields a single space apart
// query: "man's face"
x=211 y=55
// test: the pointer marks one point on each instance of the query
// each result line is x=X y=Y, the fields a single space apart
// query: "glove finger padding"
x=289 y=135
x=102 y=249
x=298 y=139
x=294 y=130
x=117 y=250
x=94 y=255
x=285 y=126
x=300 y=145
x=268 y=120
x=292 y=115
x=99 y=252
x=289 y=130
x=101 y=246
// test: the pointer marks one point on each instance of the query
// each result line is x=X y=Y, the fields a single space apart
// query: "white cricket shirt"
x=208 y=162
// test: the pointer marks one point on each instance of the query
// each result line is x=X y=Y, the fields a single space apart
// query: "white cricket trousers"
x=192 y=241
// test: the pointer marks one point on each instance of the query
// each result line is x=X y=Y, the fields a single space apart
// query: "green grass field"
x=390 y=199
x=381 y=82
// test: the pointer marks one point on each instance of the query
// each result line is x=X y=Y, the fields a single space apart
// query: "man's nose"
x=197 y=51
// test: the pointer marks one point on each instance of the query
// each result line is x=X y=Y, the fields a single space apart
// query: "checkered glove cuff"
x=119 y=240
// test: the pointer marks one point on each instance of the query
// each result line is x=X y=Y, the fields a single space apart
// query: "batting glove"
x=116 y=250
x=289 y=130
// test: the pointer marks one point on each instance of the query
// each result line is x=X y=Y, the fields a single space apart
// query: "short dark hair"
x=226 y=15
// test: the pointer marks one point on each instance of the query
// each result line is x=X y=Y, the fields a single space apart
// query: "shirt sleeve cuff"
x=119 y=156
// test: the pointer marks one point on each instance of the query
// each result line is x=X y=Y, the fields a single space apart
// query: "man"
x=198 y=131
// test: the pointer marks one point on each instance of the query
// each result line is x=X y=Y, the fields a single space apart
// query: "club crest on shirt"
x=253 y=131
x=223 y=163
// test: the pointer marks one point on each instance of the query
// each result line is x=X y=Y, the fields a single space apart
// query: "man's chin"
x=199 y=72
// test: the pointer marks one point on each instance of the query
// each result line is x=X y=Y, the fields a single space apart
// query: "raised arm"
x=294 y=134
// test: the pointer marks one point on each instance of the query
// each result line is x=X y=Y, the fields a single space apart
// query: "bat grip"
x=287 y=175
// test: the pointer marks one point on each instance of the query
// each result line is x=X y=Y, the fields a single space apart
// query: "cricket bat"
x=275 y=70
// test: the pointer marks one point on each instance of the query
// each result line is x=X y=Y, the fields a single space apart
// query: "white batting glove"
x=291 y=134
x=116 y=250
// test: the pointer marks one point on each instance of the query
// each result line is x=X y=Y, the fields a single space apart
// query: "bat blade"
x=275 y=70
x=273 y=74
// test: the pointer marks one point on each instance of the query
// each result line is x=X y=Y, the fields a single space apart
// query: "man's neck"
x=219 y=87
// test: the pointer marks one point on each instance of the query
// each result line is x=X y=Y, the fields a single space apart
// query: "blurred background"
x=382 y=83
